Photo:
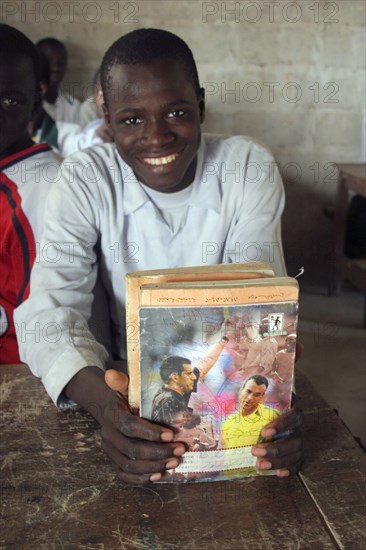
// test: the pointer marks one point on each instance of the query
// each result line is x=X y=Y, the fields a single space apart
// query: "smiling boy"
x=161 y=196
x=156 y=122
x=26 y=173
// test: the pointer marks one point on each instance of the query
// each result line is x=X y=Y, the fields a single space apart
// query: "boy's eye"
x=9 y=102
x=132 y=120
x=176 y=114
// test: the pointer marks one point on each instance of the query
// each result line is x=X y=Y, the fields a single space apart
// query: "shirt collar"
x=133 y=192
x=205 y=192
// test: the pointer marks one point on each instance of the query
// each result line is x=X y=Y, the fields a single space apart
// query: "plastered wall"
x=291 y=74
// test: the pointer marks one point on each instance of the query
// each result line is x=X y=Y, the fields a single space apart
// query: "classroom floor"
x=334 y=359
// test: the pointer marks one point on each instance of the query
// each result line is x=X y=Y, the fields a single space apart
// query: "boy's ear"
x=201 y=104
x=43 y=87
x=106 y=114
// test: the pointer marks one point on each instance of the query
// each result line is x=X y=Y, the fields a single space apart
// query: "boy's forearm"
x=89 y=390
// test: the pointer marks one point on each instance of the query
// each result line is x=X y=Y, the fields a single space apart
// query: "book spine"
x=211 y=296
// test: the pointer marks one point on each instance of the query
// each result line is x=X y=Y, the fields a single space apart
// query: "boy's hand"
x=284 y=454
x=141 y=451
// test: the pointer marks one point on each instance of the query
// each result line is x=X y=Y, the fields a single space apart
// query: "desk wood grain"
x=59 y=490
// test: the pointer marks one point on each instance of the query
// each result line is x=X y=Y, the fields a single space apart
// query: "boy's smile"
x=154 y=115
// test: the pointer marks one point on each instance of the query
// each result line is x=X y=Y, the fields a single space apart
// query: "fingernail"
x=259 y=451
x=283 y=473
x=171 y=464
x=268 y=432
x=155 y=477
x=178 y=451
x=166 y=436
x=265 y=465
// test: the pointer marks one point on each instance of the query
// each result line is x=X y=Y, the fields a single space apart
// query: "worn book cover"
x=135 y=279
x=214 y=360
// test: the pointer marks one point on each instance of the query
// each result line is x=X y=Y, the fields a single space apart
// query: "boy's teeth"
x=161 y=160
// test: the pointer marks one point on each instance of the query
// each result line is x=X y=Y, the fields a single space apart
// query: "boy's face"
x=154 y=115
x=57 y=60
x=17 y=102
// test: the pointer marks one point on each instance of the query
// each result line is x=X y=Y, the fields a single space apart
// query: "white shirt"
x=99 y=214
x=88 y=112
x=65 y=109
x=72 y=137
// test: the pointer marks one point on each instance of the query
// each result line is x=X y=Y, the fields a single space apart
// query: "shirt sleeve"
x=256 y=230
x=73 y=138
x=52 y=324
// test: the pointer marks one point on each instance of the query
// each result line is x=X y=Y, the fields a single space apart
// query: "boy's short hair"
x=13 y=41
x=144 y=46
x=51 y=43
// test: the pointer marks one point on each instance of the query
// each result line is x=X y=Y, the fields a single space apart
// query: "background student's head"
x=56 y=54
x=19 y=89
x=154 y=106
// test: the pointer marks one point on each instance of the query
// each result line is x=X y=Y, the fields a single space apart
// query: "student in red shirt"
x=26 y=173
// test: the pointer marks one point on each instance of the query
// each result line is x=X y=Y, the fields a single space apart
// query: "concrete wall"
x=291 y=74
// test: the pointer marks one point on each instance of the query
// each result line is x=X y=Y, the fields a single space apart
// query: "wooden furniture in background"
x=59 y=490
x=352 y=177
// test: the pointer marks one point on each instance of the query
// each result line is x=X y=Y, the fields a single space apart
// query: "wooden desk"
x=59 y=490
x=352 y=177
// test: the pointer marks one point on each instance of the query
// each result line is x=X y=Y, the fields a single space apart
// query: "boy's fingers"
x=138 y=428
x=116 y=381
x=139 y=449
x=283 y=454
x=138 y=466
x=133 y=479
x=289 y=421
x=292 y=465
x=119 y=420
